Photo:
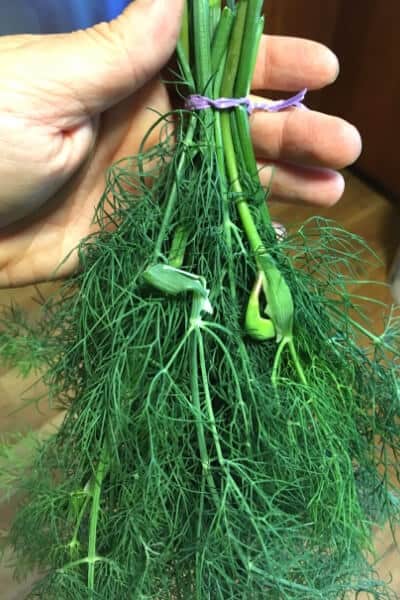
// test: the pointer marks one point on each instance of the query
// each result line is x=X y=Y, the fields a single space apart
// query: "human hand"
x=71 y=105
x=299 y=151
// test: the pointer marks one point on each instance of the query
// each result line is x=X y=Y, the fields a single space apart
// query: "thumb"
x=92 y=69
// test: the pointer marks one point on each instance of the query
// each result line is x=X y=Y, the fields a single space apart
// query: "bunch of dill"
x=228 y=433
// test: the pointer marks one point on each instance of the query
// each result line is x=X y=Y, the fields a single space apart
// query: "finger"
x=305 y=137
x=90 y=70
x=289 y=64
x=12 y=42
x=291 y=183
x=43 y=246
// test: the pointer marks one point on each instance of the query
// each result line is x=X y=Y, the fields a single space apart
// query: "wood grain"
x=364 y=35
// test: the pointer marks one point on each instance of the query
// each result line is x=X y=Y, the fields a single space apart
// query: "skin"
x=71 y=105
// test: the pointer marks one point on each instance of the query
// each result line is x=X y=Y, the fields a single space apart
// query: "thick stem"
x=257 y=326
x=220 y=42
x=253 y=57
x=246 y=217
x=243 y=141
x=186 y=72
x=241 y=131
x=184 y=38
x=226 y=207
x=215 y=15
x=234 y=51
x=202 y=44
x=246 y=33
x=178 y=247
x=249 y=48
x=219 y=147
x=245 y=36
x=74 y=540
x=94 y=517
x=183 y=49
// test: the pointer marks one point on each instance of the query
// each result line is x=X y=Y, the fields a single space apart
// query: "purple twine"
x=197 y=102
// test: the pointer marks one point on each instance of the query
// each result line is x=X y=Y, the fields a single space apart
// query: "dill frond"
x=197 y=459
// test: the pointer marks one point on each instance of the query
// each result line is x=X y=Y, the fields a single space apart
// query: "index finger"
x=290 y=64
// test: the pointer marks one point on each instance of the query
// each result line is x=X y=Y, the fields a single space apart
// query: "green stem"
x=241 y=149
x=277 y=362
x=220 y=43
x=241 y=132
x=229 y=479
x=184 y=64
x=257 y=326
x=227 y=87
x=207 y=397
x=221 y=460
x=246 y=32
x=81 y=561
x=94 y=516
x=243 y=141
x=166 y=368
x=246 y=217
x=215 y=15
x=249 y=48
x=202 y=43
x=377 y=340
x=175 y=188
x=226 y=208
x=310 y=592
x=253 y=57
x=297 y=363
x=184 y=36
x=178 y=247
x=183 y=49
x=243 y=46
x=219 y=56
x=234 y=51
x=287 y=341
x=74 y=539
x=204 y=457
x=208 y=328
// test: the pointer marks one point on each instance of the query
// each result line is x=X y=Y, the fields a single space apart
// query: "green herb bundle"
x=229 y=434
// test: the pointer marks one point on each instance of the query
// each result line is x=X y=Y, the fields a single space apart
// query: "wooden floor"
x=362 y=211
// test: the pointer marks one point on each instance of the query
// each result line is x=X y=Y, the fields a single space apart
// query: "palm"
x=302 y=148
x=34 y=249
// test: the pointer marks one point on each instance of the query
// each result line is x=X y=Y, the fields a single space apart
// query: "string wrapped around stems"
x=198 y=102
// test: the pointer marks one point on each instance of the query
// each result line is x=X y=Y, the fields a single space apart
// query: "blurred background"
x=364 y=34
